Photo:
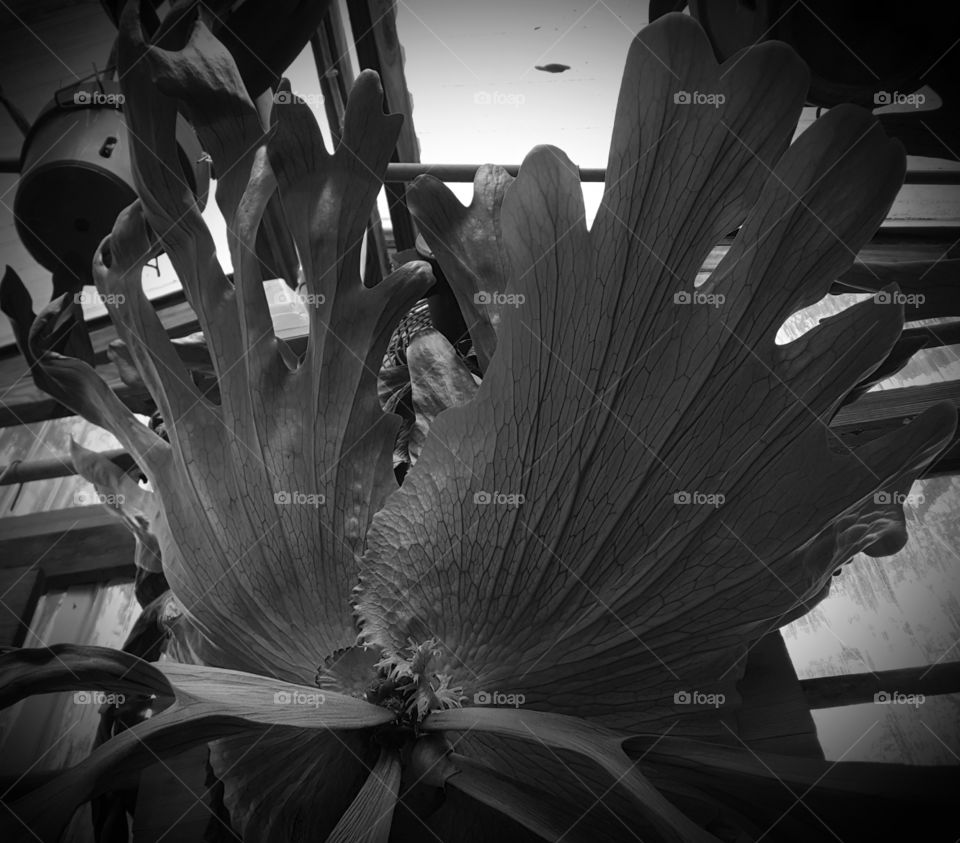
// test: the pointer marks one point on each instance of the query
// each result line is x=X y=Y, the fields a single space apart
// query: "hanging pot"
x=76 y=177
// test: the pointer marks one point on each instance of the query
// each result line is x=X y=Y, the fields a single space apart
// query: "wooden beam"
x=26 y=472
x=56 y=549
x=877 y=413
x=908 y=235
x=945 y=176
x=23 y=403
x=934 y=284
x=937 y=336
x=857 y=688
x=175 y=315
x=888 y=409
x=68 y=546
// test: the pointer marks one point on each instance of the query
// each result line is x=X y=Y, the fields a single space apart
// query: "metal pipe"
x=406 y=172
x=25 y=472
x=932 y=177
x=466 y=172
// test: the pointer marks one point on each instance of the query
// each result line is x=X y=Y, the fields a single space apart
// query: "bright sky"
x=477 y=97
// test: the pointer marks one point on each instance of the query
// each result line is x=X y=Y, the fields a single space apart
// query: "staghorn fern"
x=537 y=546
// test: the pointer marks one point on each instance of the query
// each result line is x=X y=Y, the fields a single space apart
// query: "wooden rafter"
x=857 y=688
x=57 y=549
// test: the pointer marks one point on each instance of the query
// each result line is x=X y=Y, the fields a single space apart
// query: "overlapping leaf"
x=433 y=379
x=199 y=704
x=468 y=243
x=545 y=536
x=266 y=496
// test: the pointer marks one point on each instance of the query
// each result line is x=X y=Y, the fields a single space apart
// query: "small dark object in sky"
x=552 y=68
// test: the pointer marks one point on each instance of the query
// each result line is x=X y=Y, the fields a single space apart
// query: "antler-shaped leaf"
x=544 y=535
x=468 y=243
x=266 y=496
x=59 y=328
x=137 y=507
